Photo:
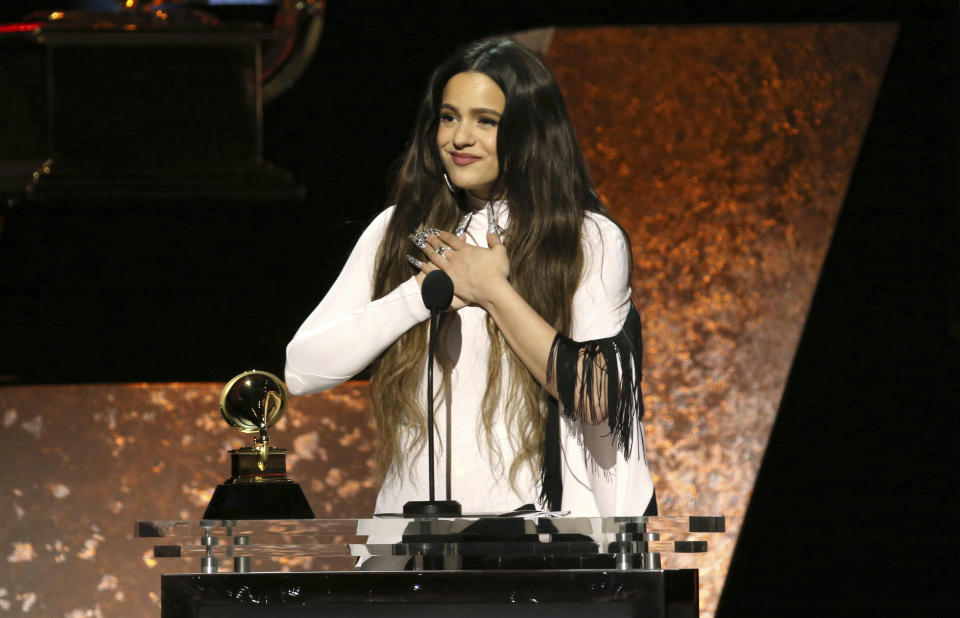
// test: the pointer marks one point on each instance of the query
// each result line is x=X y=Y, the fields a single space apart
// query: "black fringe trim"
x=551 y=480
x=596 y=381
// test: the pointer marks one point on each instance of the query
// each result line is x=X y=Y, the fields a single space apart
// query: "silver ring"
x=440 y=251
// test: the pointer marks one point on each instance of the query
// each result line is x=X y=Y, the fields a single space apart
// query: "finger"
x=437 y=248
x=419 y=238
x=421 y=265
x=451 y=241
x=434 y=241
x=493 y=240
x=435 y=258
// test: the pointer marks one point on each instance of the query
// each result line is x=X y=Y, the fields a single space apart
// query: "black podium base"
x=258 y=501
x=440 y=594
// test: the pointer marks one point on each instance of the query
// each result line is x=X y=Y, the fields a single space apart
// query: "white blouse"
x=348 y=329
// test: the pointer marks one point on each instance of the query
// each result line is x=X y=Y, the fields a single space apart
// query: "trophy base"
x=268 y=500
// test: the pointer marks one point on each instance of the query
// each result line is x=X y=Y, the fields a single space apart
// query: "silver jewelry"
x=492 y=226
x=419 y=238
x=440 y=251
x=450 y=186
x=462 y=226
x=415 y=262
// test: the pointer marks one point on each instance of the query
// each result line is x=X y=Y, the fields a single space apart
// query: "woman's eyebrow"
x=475 y=110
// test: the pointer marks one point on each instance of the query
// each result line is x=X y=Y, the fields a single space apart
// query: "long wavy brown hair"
x=544 y=177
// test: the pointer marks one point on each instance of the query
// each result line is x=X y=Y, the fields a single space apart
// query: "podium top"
x=531 y=523
x=529 y=541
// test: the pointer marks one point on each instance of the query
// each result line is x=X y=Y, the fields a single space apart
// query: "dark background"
x=188 y=290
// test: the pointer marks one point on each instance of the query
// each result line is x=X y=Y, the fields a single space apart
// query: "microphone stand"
x=437 y=292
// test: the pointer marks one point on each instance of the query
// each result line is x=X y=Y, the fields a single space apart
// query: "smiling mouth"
x=463 y=159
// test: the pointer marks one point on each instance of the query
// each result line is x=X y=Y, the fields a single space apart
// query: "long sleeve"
x=349 y=329
x=602 y=301
x=597 y=369
x=597 y=373
x=601 y=404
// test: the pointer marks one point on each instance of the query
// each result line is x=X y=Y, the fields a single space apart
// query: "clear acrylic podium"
x=531 y=565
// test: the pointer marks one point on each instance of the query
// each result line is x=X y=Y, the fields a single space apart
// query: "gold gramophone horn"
x=252 y=402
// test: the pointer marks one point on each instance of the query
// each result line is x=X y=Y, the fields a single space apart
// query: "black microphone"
x=437 y=293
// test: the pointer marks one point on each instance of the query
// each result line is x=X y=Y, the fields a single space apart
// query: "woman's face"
x=467 y=134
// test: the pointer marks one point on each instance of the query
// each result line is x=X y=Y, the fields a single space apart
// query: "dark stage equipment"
x=153 y=101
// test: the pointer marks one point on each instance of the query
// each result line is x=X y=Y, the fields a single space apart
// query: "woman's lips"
x=463 y=159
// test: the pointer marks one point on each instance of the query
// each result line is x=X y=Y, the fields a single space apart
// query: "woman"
x=537 y=266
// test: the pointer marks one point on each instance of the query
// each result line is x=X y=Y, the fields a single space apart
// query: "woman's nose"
x=463 y=136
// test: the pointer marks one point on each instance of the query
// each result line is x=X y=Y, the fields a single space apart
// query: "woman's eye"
x=447 y=117
x=492 y=122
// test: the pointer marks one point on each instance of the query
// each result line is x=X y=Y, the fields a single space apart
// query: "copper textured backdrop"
x=89 y=461
x=725 y=152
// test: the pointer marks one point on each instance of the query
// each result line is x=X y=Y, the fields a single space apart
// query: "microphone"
x=437 y=293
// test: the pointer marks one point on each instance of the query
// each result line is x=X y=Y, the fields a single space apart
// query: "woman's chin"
x=479 y=191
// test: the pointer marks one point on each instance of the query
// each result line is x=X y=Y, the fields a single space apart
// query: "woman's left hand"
x=475 y=271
